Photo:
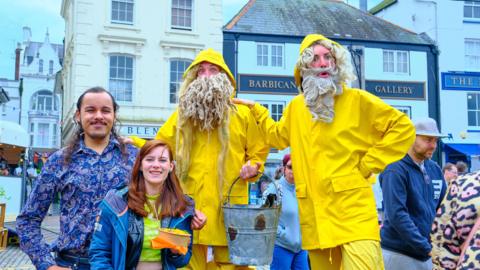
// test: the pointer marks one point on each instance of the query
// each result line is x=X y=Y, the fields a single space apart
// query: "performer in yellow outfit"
x=339 y=136
x=215 y=142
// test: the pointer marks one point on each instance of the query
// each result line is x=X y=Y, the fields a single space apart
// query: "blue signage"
x=396 y=89
x=461 y=81
x=264 y=84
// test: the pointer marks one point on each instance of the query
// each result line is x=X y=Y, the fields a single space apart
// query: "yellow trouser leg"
x=198 y=261
x=362 y=255
x=357 y=255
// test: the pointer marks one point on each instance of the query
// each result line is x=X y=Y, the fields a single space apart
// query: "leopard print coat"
x=453 y=222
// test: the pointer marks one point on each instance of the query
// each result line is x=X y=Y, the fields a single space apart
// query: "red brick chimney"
x=17 y=62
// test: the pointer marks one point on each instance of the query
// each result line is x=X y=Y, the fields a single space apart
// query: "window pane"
x=467 y=11
x=476 y=12
x=121 y=77
x=177 y=68
x=122 y=11
x=472 y=118
x=40 y=66
x=181 y=14
x=471 y=102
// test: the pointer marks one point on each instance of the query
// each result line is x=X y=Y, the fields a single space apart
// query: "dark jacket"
x=108 y=249
x=410 y=203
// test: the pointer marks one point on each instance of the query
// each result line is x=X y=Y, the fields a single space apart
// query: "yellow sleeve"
x=398 y=136
x=168 y=131
x=277 y=134
x=137 y=141
x=256 y=149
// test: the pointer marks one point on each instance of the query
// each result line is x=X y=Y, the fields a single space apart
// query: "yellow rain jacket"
x=245 y=143
x=332 y=162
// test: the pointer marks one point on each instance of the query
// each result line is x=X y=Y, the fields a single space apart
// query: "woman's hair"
x=286 y=159
x=448 y=166
x=171 y=198
x=462 y=167
x=78 y=129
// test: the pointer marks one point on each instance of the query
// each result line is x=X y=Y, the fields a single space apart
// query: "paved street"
x=13 y=257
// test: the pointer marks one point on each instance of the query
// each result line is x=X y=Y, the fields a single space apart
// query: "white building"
x=454 y=25
x=40 y=116
x=138 y=50
x=10 y=110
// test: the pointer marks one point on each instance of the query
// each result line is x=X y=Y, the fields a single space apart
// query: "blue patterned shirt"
x=82 y=185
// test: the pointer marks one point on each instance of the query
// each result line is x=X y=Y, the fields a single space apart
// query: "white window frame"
x=473 y=7
x=276 y=57
x=177 y=75
x=41 y=98
x=50 y=67
x=125 y=20
x=175 y=4
x=262 y=55
x=272 y=107
x=115 y=78
x=473 y=109
x=40 y=66
x=472 y=54
x=399 y=66
x=268 y=56
x=43 y=140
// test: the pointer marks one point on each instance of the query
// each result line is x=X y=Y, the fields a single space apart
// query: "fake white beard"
x=319 y=93
x=206 y=102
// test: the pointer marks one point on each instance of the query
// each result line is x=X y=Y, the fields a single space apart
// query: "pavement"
x=13 y=257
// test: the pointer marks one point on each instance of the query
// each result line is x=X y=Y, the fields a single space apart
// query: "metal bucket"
x=251 y=232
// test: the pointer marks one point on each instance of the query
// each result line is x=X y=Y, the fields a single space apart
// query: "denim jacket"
x=108 y=249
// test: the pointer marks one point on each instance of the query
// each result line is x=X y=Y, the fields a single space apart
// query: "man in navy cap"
x=413 y=188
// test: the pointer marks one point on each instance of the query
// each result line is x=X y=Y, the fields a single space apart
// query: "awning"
x=13 y=134
x=465 y=148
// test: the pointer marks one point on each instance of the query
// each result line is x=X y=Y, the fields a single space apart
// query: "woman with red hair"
x=130 y=217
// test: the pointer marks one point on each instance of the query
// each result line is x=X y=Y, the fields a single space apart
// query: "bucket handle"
x=235 y=181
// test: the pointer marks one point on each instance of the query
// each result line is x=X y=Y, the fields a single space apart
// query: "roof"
x=33 y=47
x=381 y=6
x=331 y=18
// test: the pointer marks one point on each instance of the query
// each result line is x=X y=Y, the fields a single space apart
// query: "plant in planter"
x=3 y=231
x=3 y=195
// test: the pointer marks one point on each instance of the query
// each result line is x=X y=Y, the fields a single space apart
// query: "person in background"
x=4 y=170
x=455 y=219
x=412 y=188
x=462 y=167
x=450 y=172
x=288 y=253
x=152 y=200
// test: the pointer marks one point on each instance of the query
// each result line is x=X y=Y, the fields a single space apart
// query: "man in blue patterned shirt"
x=94 y=162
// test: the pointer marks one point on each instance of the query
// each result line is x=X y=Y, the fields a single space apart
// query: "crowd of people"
x=118 y=193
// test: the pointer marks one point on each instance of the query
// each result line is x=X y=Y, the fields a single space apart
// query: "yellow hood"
x=213 y=57
x=307 y=42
